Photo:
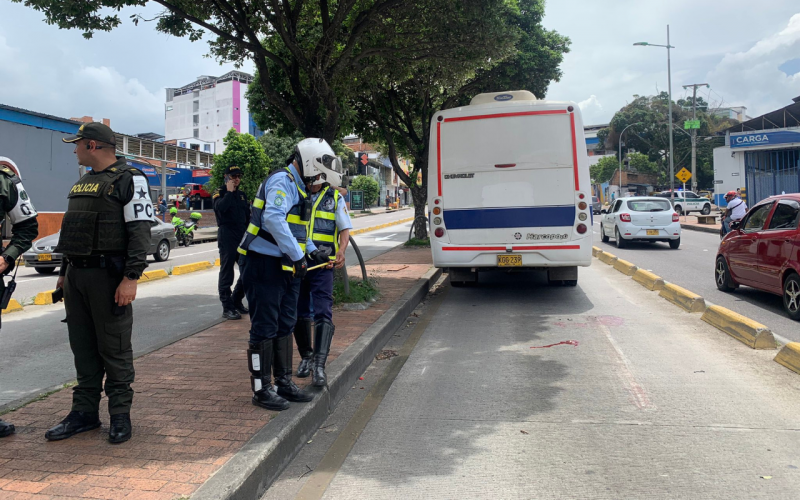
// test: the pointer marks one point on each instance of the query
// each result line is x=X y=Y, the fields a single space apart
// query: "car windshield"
x=649 y=205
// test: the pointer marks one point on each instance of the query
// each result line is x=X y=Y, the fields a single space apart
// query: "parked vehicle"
x=507 y=188
x=706 y=194
x=641 y=218
x=44 y=260
x=195 y=192
x=763 y=251
x=687 y=201
x=596 y=205
x=184 y=230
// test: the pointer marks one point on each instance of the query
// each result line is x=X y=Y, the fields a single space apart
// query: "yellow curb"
x=607 y=258
x=155 y=274
x=44 y=298
x=789 y=356
x=596 y=251
x=216 y=263
x=13 y=306
x=625 y=267
x=190 y=268
x=648 y=280
x=380 y=226
x=743 y=329
x=683 y=298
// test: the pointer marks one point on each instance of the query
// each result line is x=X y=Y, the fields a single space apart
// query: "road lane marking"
x=319 y=480
x=386 y=237
x=636 y=391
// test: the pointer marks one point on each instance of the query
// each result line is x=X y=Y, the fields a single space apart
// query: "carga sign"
x=756 y=139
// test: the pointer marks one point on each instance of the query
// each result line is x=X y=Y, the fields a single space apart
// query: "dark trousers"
x=316 y=295
x=228 y=257
x=100 y=340
x=271 y=297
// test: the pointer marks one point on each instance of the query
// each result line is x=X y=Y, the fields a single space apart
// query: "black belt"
x=95 y=261
x=257 y=255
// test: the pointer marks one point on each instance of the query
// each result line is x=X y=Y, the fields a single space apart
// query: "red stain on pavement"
x=566 y=342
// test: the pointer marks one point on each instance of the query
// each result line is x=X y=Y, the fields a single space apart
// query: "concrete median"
x=648 y=280
x=13 y=306
x=44 y=298
x=155 y=274
x=380 y=226
x=742 y=328
x=683 y=298
x=596 y=251
x=789 y=356
x=190 y=268
x=607 y=258
x=625 y=267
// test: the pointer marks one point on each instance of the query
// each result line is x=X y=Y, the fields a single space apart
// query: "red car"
x=196 y=191
x=763 y=251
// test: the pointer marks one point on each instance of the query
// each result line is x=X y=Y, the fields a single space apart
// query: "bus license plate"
x=652 y=232
x=509 y=260
x=45 y=256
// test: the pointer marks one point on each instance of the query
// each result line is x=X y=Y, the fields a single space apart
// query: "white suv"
x=687 y=201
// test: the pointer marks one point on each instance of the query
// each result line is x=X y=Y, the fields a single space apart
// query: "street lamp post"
x=620 y=154
x=669 y=88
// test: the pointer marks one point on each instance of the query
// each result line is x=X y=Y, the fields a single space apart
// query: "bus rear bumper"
x=485 y=256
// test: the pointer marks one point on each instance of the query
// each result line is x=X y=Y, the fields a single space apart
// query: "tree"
x=305 y=52
x=244 y=151
x=369 y=186
x=509 y=49
x=279 y=147
x=604 y=169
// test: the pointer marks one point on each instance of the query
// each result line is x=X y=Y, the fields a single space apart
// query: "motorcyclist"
x=734 y=212
x=176 y=221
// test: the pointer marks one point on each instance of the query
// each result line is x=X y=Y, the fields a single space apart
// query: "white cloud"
x=591 y=109
x=752 y=78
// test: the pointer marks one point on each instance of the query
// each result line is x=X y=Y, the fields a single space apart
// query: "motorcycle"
x=184 y=230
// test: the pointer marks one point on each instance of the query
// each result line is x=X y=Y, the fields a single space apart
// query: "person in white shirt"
x=735 y=211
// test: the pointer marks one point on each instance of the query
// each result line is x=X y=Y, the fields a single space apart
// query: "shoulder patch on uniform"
x=281 y=193
x=216 y=195
x=112 y=169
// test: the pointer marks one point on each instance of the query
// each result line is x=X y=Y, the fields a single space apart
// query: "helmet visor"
x=332 y=162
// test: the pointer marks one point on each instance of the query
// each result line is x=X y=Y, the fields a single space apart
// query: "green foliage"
x=604 y=170
x=279 y=147
x=244 y=151
x=416 y=242
x=369 y=186
x=360 y=291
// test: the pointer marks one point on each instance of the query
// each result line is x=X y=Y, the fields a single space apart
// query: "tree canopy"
x=244 y=151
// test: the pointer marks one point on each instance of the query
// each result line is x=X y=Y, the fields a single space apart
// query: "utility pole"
x=694 y=132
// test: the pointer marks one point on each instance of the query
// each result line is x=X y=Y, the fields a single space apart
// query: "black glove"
x=319 y=257
x=300 y=268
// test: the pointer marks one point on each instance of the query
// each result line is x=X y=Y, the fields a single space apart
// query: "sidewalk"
x=191 y=413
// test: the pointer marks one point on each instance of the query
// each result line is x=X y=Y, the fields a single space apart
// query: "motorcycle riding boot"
x=259 y=362
x=228 y=310
x=323 y=334
x=302 y=335
x=6 y=429
x=282 y=369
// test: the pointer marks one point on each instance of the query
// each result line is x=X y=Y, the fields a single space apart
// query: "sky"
x=748 y=52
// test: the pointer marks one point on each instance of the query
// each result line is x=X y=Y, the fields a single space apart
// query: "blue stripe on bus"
x=491 y=218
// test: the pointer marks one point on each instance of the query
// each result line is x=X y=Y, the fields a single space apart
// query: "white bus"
x=508 y=188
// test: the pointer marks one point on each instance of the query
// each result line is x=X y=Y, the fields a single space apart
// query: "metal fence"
x=770 y=173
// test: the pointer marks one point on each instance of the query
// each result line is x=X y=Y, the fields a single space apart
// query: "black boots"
x=228 y=305
x=231 y=314
x=76 y=422
x=302 y=335
x=323 y=334
x=238 y=296
x=259 y=361
x=282 y=369
x=6 y=429
x=121 y=428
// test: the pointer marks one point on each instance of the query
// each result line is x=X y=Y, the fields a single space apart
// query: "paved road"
x=651 y=403
x=35 y=353
x=692 y=267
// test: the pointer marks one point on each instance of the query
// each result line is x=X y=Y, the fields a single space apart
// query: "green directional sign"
x=356 y=200
x=691 y=124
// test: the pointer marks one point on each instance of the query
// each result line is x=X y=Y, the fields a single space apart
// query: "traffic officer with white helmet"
x=14 y=202
x=329 y=230
x=275 y=247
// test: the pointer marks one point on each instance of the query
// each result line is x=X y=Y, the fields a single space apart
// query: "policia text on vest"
x=105 y=236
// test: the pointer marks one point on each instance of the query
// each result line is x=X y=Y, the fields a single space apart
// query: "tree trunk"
x=419 y=195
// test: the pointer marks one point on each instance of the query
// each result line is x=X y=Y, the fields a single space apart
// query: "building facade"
x=203 y=111
x=761 y=156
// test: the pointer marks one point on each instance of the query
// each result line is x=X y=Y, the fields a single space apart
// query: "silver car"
x=42 y=257
x=596 y=205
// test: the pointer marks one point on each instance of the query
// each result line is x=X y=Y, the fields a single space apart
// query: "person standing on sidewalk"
x=233 y=213
x=16 y=204
x=330 y=231
x=274 y=248
x=105 y=236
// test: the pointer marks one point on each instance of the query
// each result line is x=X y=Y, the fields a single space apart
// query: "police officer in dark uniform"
x=14 y=202
x=105 y=236
x=233 y=213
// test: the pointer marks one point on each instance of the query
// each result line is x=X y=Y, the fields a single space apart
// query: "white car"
x=641 y=218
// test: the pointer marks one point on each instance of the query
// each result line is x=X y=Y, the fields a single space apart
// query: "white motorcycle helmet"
x=318 y=159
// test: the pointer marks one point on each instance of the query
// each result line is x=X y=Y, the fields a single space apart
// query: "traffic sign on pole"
x=683 y=175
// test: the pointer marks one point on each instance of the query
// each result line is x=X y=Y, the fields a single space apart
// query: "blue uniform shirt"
x=281 y=196
x=342 y=217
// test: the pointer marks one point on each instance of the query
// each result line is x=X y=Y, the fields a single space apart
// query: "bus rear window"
x=649 y=205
